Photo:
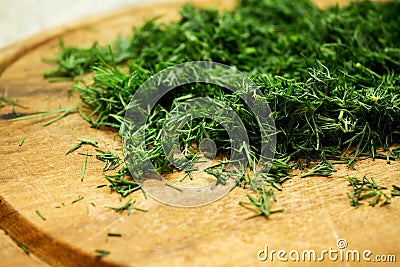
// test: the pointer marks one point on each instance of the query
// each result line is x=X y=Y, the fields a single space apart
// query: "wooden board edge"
x=51 y=251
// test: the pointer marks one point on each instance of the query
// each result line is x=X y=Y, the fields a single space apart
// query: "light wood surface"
x=38 y=176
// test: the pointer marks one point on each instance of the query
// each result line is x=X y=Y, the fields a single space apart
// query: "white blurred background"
x=20 y=19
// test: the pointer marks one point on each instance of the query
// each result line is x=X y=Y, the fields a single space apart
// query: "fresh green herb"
x=84 y=154
x=331 y=78
x=333 y=87
x=395 y=191
x=22 y=140
x=173 y=186
x=126 y=206
x=122 y=183
x=111 y=161
x=82 y=142
x=323 y=168
x=263 y=202
x=24 y=248
x=114 y=234
x=79 y=198
x=89 y=142
x=187 y=173
x=64 y=112
x=8 y=101
x=366 y=189
x=74 y=148
x=40 y=215
x=84 y=166
x=101 y=253
x=59 y=206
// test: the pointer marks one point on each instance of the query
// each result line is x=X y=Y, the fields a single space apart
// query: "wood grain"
x=38 y=176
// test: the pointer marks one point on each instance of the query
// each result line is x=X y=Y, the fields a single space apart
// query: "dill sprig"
x=64 y=112
x=127 y=206
x=263 y=202
x=111 y=161
x=366 y=188
x=323 y=168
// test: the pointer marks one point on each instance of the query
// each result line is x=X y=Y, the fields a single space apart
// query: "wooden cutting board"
x=39 y=176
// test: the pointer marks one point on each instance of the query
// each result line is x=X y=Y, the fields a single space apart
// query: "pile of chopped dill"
x=331 y=77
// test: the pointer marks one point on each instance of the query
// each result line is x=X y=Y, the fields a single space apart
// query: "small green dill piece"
x=173 y=186
x=84 y=154
x=121 y=183
x=89 y=142
x=72 y=149
x=367 y=188
x=84 y=166
x=100 y=253
x=79 y=198
x=40 y=215
x=21 y=142
x=82 y=142
x=123 y=207
x=139 y=209
x=114 y=234
x=64 y=112
x=24 y=248
x=111 y=161
x=262 y=203
x=395 y=191
x=323 y=168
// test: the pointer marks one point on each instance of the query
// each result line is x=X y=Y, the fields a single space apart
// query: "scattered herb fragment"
x=173 y=186
x=84 y=166
x=126 y=206
x=40 y=215
x=395 y=191
x=24 y=248
x=64 y=112
x=111 y=161
x=114 y=234
x=79 y=198
x=366 y=188
x=101 y=253
x=22 y=140
x=262 y=203
x=81 y=142
x=121 y=182
x=323 y=168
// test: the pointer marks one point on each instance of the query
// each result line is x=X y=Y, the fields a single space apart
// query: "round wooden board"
x=39 y=176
